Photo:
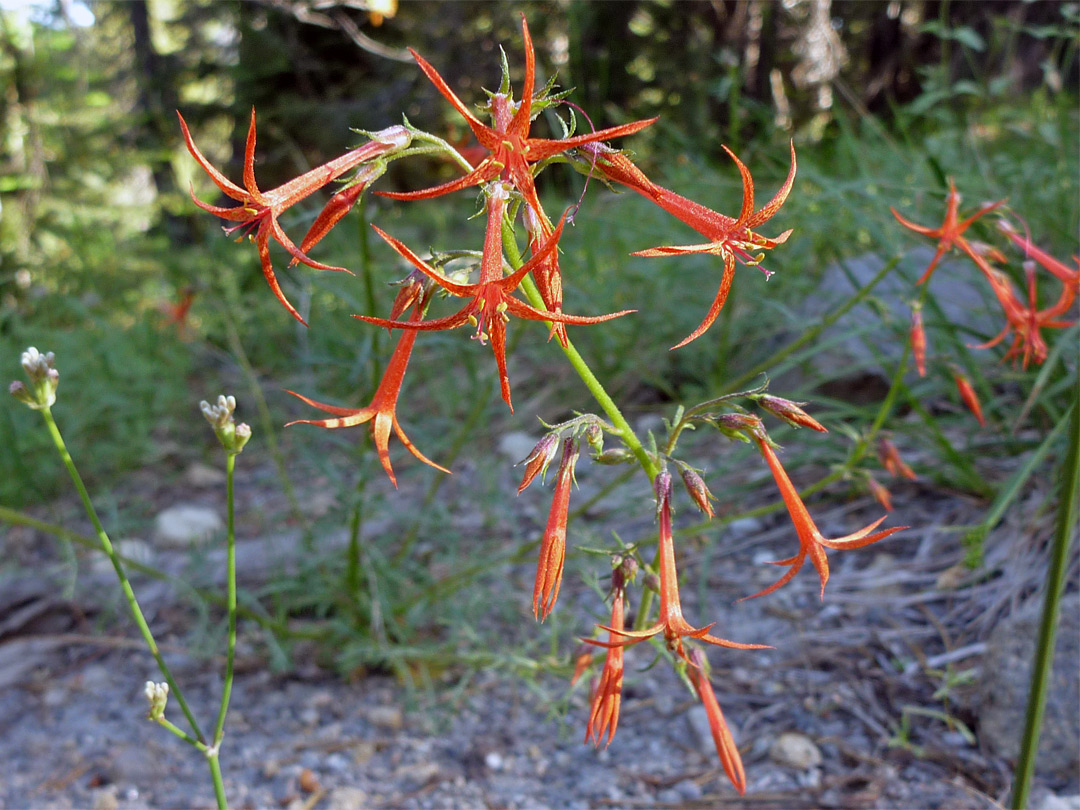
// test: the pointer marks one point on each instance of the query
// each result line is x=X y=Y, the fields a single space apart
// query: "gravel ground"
x=817 y=719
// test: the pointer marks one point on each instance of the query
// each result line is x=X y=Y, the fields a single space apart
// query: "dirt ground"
x=903 y=689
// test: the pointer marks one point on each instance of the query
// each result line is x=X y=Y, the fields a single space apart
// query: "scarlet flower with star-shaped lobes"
x=812 y=543
x=730 y=239
x=260 y=210
x=382 y=412
x=491 y=297
x=950 y=232
x=511 y=148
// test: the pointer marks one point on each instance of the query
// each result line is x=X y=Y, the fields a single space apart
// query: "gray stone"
x=795 y=750
x=1054 y=802
x=517 y=445
x=186 y=524
x=1001 y=696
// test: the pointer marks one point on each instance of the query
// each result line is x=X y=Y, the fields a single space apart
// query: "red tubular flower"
x=918 y=341
x=607 y=697
x=259 y=210
x=1069 y=276
x=721 y=734
x=381 y=413
x=811 y=541
x=730 y=239
x=949 y=233
x=968 y=395
x=671 y=624
x=890 y=459
x=508 y=141
x=549 y=567
x=492 y=301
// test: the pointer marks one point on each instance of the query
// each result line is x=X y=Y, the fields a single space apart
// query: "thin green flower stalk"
x=1064 y=533
x=40 y=396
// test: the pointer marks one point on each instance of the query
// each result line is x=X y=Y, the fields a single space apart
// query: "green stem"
x=219 y=783
x=1055 y=586
x=596 y=388
x=600 y=394
x=230 y=575
x=125 y=585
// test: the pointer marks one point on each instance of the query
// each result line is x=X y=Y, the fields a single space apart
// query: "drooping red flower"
x=549 y=566
x=811 y=542
x=890 y=459
x=671 y=622
x=730 y=239
x=970 y=398
x=539 y=459
x=950 y=232
x=918 y=341
x=511 y=148
x=491 y=297
x=607 y=696
x=259 y=210
x=730 y=758
x=880 y=492
x=382 y=412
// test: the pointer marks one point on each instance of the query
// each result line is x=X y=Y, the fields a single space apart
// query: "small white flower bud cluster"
x=157 y=695
x=220 y=414
x=44 y=379
x=232 y=436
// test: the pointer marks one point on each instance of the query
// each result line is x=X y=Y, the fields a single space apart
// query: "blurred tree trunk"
x=155 y=79
x=24 y=158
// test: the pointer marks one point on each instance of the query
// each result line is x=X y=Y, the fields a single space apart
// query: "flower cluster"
x=1023 y=317
x=502 y=283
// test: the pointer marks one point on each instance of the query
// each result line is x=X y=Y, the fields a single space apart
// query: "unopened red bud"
x=918 y=341
x=623 y=570
x=890 y=459
x=617 y=455
x=539 y=459
x=662 y=488
x=696 y=488
x=791 y=412
x=880 y=492
x=737 y=425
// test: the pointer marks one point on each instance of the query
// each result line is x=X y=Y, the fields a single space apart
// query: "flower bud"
x=790 y=412
x=662 y=488
x=695 y=487
x=220 y=414
x=44 y=379
x=624 y=568
x=617 y=455
x=890 y=459
x=594 y=435
x=739 y=425
x=157 y=695
x=232 y=436
x=397 y=137
x=880 y=492
x=537 y=461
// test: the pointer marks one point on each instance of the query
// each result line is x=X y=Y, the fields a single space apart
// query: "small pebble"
x=795 y=751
